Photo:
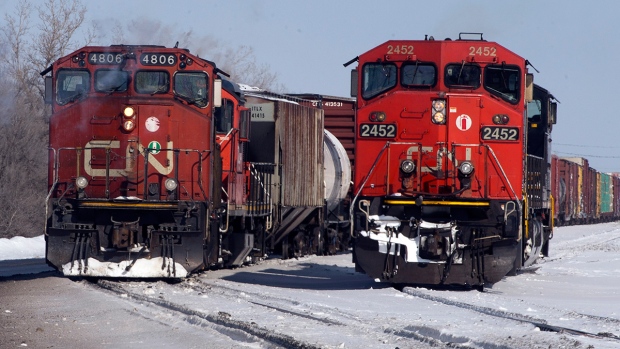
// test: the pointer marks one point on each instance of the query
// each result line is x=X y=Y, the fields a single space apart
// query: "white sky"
x=574 y=45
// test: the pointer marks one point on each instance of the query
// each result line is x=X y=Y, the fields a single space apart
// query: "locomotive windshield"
x=152 y=82
x=418 y=75
x=72 y=84
x=378 y=77
x=503 y=81
x=463 y=75
x=111 y=80
x=192 y=87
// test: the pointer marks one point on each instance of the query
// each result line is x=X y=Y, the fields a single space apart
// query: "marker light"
x=81 y=182
x=171 y=184
x=500 y=119
x=377 y=116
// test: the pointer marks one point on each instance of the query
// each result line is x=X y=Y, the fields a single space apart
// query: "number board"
x=490 y=133
x=166 y=59
x=105 y=58
x=378 y=130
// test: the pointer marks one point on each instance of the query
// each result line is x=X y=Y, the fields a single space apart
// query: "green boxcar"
x=605 y=194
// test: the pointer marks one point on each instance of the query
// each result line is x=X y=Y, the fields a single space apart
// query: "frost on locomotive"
x=452 y=168
x=135 y=172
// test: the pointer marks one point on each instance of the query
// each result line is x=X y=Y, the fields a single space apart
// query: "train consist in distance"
x=582 y=194
x=454 y=185
x=159 y=166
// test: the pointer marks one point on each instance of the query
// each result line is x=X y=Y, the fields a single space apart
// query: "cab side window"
x=224 y=116
x=71 y=85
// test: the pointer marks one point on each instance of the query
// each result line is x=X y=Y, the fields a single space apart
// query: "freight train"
x=160 y=166
x=582 y=194
x=454 y=185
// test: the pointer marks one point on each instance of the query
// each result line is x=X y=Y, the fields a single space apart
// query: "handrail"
x=359 y=191
x=490 y=152
x=109 y=172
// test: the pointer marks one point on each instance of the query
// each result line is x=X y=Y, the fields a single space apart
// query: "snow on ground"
x=20 y=247
x=577 y=287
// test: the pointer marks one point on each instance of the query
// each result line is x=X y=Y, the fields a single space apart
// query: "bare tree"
x=240 y=62
x=243 y=67
x=25 y=52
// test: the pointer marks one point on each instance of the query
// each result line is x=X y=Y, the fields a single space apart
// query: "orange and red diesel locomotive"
x=452 y=174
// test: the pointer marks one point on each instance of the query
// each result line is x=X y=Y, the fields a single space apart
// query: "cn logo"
x=154 y=147
x=463 y=122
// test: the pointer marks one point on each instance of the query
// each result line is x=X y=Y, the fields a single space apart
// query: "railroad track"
x=313 y=303
x=261 y=316
x=542 y=324
x=220 y=321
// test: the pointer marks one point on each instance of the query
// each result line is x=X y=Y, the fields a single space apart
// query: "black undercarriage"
x=439 y=242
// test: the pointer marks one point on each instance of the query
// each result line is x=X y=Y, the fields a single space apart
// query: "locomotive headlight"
x=129 y=112
x=407 y=166
x=81 y=182
x=171 y=184
x=439 y=111
x=439 y=118
x=129 y=125
x=377 y=116
x=466 y=168
x=439 y=105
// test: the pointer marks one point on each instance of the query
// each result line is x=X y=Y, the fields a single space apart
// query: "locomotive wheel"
x=532 y=245
x=518 y=263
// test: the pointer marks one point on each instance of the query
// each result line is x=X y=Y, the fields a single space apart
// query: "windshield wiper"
x=191 y=101
x=415 y=72
x=160 y=89
x=114 y=89
x=500 y=93
x=72 y=98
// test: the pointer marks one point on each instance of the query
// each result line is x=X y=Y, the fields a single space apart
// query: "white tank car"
x=337 y=170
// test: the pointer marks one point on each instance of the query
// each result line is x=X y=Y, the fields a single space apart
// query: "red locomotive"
x=151 y=172
x=452 y=173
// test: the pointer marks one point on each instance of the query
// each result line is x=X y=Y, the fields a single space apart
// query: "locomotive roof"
x=429 y=49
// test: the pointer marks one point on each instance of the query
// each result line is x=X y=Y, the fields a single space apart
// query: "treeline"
x=31 y=39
